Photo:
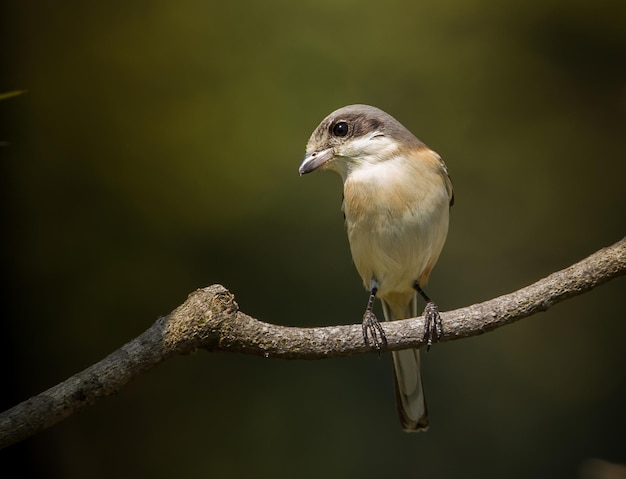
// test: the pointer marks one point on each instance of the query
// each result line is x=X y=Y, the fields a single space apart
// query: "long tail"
x=410 y=398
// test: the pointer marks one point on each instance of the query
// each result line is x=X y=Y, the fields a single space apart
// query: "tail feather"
x=410 y=398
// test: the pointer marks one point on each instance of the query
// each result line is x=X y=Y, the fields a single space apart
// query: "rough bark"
x=210 y=319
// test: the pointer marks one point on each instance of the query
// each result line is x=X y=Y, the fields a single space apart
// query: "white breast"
x=397 y=220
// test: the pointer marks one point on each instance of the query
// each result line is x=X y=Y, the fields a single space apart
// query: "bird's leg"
x=371 y=325
x=433 y=328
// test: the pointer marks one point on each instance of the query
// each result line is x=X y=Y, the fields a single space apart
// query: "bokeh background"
x=156 y=152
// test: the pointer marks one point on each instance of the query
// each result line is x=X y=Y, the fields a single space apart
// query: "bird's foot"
x=372 y=327
x=433 y=327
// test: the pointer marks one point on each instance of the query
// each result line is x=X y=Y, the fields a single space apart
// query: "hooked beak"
x=314 y=160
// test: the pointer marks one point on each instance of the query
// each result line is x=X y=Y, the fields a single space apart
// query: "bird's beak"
x=314 y=160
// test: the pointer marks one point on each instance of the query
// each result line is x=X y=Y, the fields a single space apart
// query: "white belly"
x=396 y=229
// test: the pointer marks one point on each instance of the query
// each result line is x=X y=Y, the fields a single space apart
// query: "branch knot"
x=199 y=321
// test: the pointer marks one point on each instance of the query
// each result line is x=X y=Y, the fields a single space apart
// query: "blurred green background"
x=156 y=152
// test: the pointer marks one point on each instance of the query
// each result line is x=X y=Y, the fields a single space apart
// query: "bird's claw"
x=433 y=327
x=372 y=327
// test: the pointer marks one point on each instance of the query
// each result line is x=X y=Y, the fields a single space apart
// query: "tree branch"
x=210 y=319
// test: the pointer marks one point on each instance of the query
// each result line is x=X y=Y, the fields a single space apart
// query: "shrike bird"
x=396 y=201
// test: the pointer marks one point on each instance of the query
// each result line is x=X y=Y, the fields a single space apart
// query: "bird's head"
x=355 y=136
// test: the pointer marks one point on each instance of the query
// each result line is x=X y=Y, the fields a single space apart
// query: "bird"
x=397 y=196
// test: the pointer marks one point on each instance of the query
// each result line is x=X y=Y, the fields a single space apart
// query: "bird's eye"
x=340 y=128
